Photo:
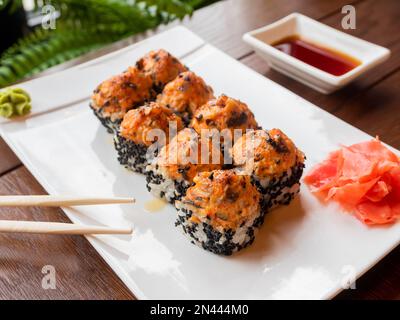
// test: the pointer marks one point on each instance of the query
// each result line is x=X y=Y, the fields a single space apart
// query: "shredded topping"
x=266 y=153
x=186 y=93
x=223 y=197
x=150 y=123
x=224 y=113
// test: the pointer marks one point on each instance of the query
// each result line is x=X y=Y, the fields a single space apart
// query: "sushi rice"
x=220 y=204
x=274 y=164
x=142 y=133
x=139 y=84
x=172 y=171
x=221 y=212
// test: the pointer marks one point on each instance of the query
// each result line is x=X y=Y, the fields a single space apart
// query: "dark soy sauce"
x=325 y=59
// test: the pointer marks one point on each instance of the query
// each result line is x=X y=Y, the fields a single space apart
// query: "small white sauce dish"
x=262 y=39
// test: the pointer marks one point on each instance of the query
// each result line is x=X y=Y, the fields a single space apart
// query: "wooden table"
x=371 y=104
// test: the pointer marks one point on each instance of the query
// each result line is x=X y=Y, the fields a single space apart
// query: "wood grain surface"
x=371 y=104
x=80 y=272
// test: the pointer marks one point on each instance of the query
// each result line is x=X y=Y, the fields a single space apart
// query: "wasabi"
x=14 y=102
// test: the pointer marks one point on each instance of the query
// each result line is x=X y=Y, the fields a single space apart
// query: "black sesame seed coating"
x=213 y=236
x=130 y=154
x=274 y=189
x=221 y=242
x=110 y=125
x=180 y=187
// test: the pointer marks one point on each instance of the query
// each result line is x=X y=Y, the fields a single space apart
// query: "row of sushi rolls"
x=205 y=155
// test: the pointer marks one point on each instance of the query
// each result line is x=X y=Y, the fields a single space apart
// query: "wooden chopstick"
x=57 y=228
x=58 y=201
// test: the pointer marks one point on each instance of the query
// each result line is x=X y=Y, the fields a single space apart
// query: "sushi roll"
x=229 y=118
x=172 y=171
x=119 y=94
x=161 y=67
x=185 y=94
x=220 y=212
x=274 y=164
x=139 y=131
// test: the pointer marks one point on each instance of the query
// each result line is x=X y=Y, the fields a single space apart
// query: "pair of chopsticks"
x=56 y=227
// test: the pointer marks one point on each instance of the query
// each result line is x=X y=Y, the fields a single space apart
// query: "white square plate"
x=370 y=55
x=305 y=250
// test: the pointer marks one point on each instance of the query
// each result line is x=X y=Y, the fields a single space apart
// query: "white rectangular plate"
x=305 y=250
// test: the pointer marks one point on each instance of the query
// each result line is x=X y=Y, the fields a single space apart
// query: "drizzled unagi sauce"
x=326 y=59
x=155 y=205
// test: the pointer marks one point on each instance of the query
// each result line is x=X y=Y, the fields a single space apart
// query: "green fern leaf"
x=84 y=26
